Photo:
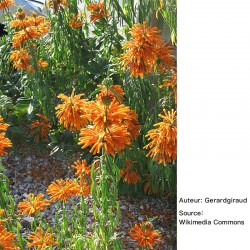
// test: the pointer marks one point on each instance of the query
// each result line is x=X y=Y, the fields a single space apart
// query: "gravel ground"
x=33 y=174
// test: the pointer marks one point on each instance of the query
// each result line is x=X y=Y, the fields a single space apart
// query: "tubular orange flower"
x=82 y=170
x=62 y=190
x=71 y=112
x=141 y=51
x=74 y=23
x=32 y=205
x=6 y=3
x=41 y=240
x=3 y=126
x=26 y=21
x=4 y=144
x=20 y=59
x=42 y=64
x=113 y=92
x=41 y=127
x=146 y=51
x=163 y=145
x=7 y=240
x=114 y=139
x=144 y=235
x=128 y=174
x=165 y=59
x=97 y=11
x=132 y=124
x=29 y=28
x=104 y=116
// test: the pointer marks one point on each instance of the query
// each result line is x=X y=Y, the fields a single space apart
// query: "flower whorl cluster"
x=4 y=142
x=28 y=29
x=114 y=125
x=146 y=51
x=163 y=145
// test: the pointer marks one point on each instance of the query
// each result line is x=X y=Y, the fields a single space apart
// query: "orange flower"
x=41 y=128
x=163 y=145
x=74 y=23
x=103 y=116
x=132 y=124
x=82 y=170
x=146 y=51
x=5 y=3
x=165 y=59
x=32 y=27
x=3 y=126
x=141 y=52
x=70 y=113
x=4 y=143
x=144 y=235
x=42 y=64
x=111 y=93
x=128 y=174
x=114 y=139
x=20 y=59
x=7 y=240
x=56 y=4
x=26 y=21
x=97 y=11
x=32 y=205
x=114 y=124
x=62 y=190
x=172 y=83
x=40 y=240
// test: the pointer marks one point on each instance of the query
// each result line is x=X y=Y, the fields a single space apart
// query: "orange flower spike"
x=144 y=235
x=74 y=23
x=163 y=145
x=71 y=112
x=129 y=175
x=103 y=116
x=141 y=52
x=132 y=124
x=62 y=190
x=97 y=11
x=114 y=140
x=7 y=240
x=20 y=59
x=145 y=35
x=117 y=138
x=41 y=240
x=32 y=205
x=110 y=92
x=165 y=57
x=82 y=170
x=6 y=3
